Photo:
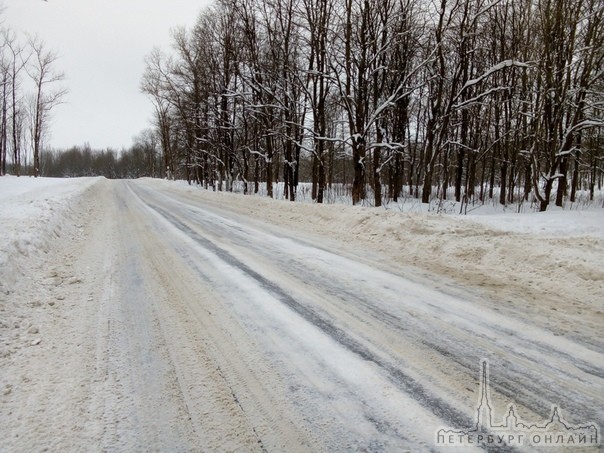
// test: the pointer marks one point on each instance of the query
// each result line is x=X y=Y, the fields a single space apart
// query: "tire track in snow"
x=228 y=389
x=447 y=413
x=552 y=370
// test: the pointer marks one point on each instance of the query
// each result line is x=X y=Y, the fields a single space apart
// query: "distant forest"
x=446 y=98
x=143 y=158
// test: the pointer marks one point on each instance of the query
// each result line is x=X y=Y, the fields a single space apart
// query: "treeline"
x=450 y=96
x=142 y=159
x=29 y=90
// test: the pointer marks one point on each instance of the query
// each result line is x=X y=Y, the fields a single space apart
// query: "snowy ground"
x=148 y=315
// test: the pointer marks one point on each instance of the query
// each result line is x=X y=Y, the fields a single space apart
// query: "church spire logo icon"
x=512 y=431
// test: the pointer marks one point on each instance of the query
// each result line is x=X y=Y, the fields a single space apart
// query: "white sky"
x=102 y=45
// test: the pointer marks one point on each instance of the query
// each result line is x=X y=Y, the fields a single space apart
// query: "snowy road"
x=201 y=328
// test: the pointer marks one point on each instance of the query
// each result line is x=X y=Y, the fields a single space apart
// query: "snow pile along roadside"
x=34 y=213
x=43 y=322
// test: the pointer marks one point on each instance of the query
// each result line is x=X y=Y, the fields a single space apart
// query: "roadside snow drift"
x=34 y=212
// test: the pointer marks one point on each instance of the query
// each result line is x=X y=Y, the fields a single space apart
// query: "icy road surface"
x=181 y=325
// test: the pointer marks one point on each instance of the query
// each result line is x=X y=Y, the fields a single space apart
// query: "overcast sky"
x=102 y=45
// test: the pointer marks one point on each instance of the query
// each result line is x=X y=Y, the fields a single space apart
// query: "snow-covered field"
x=150 y=315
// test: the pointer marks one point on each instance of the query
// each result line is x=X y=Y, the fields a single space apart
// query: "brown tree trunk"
x=562 y=181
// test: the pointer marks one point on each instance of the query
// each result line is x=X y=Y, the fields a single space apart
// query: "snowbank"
x=41 y=327
x=33 y=213
x=550 y=223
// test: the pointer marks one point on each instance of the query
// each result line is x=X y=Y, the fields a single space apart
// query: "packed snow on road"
x=149 y=315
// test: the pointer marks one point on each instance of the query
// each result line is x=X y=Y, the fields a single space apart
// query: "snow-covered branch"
x=492 y=70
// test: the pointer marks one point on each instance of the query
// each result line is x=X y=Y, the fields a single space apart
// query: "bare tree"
x=319 y=14
x=570 y=64
x=287 y=51
x=46 y=97
x=19 y=58
x=5 y=65
x=155 y=84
